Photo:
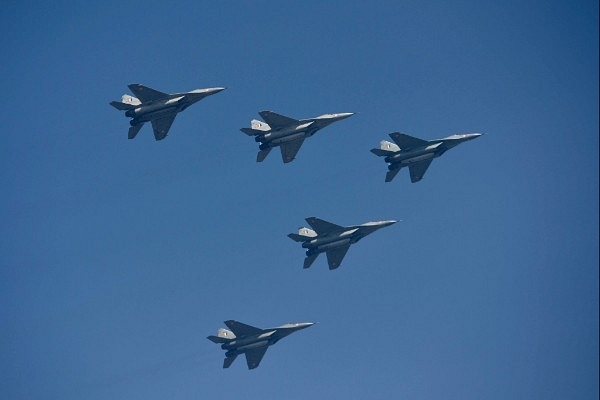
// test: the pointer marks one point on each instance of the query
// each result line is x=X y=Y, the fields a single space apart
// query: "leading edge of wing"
x=290 y=149
x=162 y=125
x=335 y=256
x=255 y=355
x=323 y=227
x=277 y=121
x=417 y=170
x=240 y=329
x=405 y=141
x=146 y=94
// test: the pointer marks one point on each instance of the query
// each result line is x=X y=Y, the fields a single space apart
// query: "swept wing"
x=146 y=94
x=290 y=149
x=161 y=126
x=255 y=355
x=277 y=121
x=406 y=142
x=240 y=330
x=335 y=256
x=323 y=227
x=417 y=170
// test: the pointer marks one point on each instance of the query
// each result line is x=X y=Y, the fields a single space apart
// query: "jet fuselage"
x=351 y=235
x=174 y=103
x=433 y=149
x=267 y=337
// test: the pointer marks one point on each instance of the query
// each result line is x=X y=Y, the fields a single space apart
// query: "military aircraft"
x=334 y=240
x=157 y=107
x=253 y=342
x=415 y=153
x=285 y=132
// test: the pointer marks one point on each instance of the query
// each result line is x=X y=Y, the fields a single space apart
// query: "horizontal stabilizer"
x=262 y=154
x=122 y=106
x=309 y=260
x=228 y=361
x=380 y=153
x=298 y=238
x=391 y=174
x=251 y=132
x=134 y=130
x=216 y=339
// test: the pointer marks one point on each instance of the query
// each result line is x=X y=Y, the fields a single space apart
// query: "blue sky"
x=120 y=256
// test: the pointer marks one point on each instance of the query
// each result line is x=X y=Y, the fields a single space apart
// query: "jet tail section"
x=262 y=154
x=309 y=260
x=127 y=103
x=257 y=128
x=391 y=174
x=303 y=235
x=259 y=125
x=229 y=360
x=133 y=131
x=386 y=148
x=223 y=336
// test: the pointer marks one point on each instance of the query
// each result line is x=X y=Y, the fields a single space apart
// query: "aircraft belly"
x=332 y=245
x=154 y=112
x=253 y=345
x=285 y=138
x=409 y=159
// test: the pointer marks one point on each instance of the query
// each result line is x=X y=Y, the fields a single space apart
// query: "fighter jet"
x=285 y=132
x=334 y=240
x=416 y=153
x=157 y=107
x=251 y=341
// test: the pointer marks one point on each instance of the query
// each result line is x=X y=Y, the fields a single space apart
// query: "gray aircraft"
x=253 y=342
x=157 y=107
x=334 y=240
x=285 y=132
x=415 y=153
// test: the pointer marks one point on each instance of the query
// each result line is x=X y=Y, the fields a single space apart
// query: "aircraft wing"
x=255 y=355
x=290 y=149
x=162 y=125
x=323 y=227
x=277 y=121
x=145 y=94
x=417 y=170
x=335 y=256
x=406 y=142
x=241 y=330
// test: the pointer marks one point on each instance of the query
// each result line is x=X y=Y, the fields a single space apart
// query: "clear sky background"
x=118 y=257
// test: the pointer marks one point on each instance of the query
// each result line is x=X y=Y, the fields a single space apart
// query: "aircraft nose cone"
x=388 y=223
x=344 y=115
x=215 y=90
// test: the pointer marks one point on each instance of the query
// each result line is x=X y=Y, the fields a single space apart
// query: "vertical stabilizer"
x=225 y=334
x=259 y=125
x=127 y=99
